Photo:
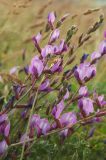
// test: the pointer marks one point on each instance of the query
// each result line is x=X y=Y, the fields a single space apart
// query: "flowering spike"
x=51 y=19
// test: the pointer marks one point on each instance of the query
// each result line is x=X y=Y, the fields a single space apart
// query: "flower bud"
x=51 y=19
x=84 y=57
x=83 y=91
x=45 y=86
x=36 y=39
x=57 y=110
x=95 y=56
x=102 y=48
x=36 y=66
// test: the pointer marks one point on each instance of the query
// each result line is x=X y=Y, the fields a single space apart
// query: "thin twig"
x=31 y=112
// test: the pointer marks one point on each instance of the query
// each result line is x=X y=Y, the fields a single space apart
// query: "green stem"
x=31 y=112
x=23 y=96
x=35 y=100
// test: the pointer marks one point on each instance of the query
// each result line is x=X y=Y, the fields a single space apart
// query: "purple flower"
x=67 y=94
x=34 y=120
x=65 y=120
x=102 y=47
x=59 y=49
x=3 y=147
x=84 y=72
x=42 y=126
x=100 y=100
x=68 y=119
x=48 y=49
x=57 y=110
x=54 y=36
x=51 y=19
x=36 y=39
x=45 y=86
x=3 y=118
x=4 y=131
x=101 y=51
x=57 y=66
x=95 y=55
x=86 y=106
x=24 y=137
x=7 y=129
x=4 y=125
x=55 y=49
x=96 y=120
x=83 y=91
x=36 y=66
x=64 y=133
x=14 y=70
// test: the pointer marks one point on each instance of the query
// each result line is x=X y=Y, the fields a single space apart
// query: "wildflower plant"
x=43 y=102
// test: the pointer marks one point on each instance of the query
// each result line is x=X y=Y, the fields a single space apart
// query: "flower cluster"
x=4 y=133
x=47 y=73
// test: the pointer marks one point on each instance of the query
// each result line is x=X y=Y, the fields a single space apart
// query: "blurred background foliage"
x=19 y=21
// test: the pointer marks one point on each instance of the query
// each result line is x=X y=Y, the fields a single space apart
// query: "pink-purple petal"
x=51 y=17
x=3 y=147
x=86 y=105
x=36 y=67
x=83 y=91
x=55 y=35
x=7 y=130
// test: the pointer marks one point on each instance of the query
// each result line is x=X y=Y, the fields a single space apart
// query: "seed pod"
x=89 y=11
x=71 y=32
